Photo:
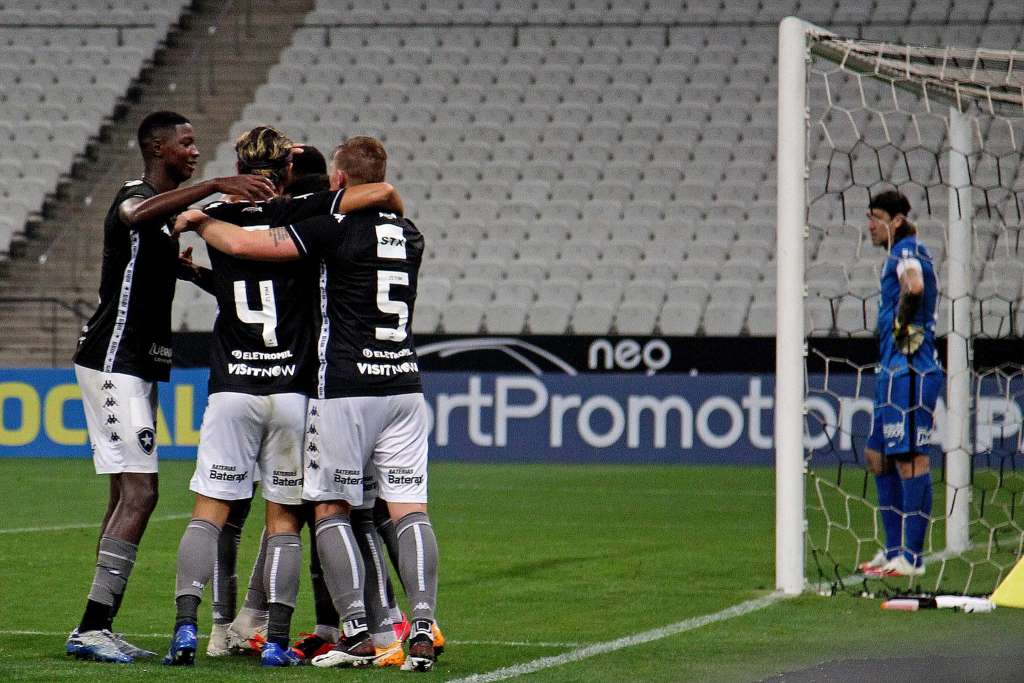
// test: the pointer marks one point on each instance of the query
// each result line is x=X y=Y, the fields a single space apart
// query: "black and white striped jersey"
x=369 y=263
x=265 y=329
x=130 y=332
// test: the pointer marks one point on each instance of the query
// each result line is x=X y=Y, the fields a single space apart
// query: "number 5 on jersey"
x=391 y=245
x=266 y=316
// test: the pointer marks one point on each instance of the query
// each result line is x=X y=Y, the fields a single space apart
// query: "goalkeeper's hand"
x=908 y=337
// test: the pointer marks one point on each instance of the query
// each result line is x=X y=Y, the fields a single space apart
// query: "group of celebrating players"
x=333 y=424
x=314 y=388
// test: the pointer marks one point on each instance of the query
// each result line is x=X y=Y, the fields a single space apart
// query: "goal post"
x=961 y=93
x=789 y=332
x=958 y=341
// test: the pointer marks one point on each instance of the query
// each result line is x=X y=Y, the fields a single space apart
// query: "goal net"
x=945 y=127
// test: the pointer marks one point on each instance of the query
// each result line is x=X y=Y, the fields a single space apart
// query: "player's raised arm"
x=369 y=195
x=136 y=211
x=274 y=244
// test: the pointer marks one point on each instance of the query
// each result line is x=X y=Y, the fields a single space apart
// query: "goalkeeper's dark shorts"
x=904 y=411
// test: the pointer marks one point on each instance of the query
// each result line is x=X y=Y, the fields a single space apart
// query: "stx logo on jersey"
x=352 y=477
x=227 y=473
x=147 y=440
x=403 y=476
x=390 y=241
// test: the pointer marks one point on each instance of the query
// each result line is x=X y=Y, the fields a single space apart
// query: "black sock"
x=114 y=609
x=95 y=618
x=279 y=624
x=187 y=610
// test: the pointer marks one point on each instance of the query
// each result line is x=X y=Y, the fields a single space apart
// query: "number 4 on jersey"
x=266 y=316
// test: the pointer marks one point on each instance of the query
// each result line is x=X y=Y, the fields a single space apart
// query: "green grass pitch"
x=536 y=561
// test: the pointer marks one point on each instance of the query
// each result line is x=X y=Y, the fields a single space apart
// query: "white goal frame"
x=790 y=345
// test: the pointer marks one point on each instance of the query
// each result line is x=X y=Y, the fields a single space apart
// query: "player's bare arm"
x=367 y=195
x=136 y=211
x=274 y=244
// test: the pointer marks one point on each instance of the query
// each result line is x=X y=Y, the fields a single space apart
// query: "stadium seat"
x=505 y=317
x=592 y=317
x=462 y=318
x=517 y=292
x=426 y=318
x=636 y=317
x=761 y=319
x=549 y=317
x=680 y=318
x=526 y=269
x=472 y=291
x=601 y=291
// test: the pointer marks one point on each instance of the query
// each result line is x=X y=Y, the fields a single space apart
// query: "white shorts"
x=381 y=437
x=120 y=413
x=242 y=434
x=370 y=490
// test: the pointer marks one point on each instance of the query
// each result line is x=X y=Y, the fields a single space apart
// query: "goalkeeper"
x=907 y=384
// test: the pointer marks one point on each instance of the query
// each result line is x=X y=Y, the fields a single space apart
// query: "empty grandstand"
x=582 y=167
x=592 y=167
x=125 y=58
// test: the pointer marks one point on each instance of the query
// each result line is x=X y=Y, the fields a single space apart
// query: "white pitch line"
x=627 y=641
x=93 y=525
x=515 y=643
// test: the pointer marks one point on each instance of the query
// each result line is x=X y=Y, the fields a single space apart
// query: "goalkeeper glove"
x=908 y=337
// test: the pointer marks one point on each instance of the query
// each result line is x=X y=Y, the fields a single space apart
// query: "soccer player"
x=907 y=386
x=369 y=409
x=234 y=631
x=261 y=371
x=309 y=171
x=125 y=349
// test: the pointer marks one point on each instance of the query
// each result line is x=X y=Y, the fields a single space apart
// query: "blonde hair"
x=363 y=158
x=264 y=151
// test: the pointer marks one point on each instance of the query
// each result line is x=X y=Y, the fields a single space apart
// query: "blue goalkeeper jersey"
x=906 y=254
